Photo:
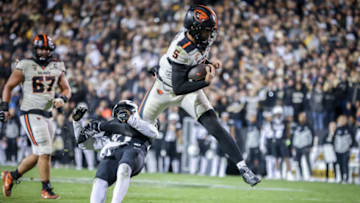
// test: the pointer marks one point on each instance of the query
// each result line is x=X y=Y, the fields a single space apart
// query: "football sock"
x=46 y=185
x=98 y=193
x=15 y=174
x=212 y=124
x=122 y=183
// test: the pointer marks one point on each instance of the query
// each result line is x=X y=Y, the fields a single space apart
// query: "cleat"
x=49 y=194
x=7 y=183
x=248 y=176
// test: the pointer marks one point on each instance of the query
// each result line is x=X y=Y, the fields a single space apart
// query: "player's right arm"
x=16 y=77
x=181 y=84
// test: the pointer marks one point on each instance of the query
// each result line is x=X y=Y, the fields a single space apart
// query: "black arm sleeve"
x=180 y=82
x=115 y=127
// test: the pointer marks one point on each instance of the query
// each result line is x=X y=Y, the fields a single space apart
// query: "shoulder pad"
x=186 y=44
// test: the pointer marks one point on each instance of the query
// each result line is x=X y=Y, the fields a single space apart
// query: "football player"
x=172 y=86
x=39 y=77
x=123 y=141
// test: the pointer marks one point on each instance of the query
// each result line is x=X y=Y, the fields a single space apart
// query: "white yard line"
x=171 y=183
x=86 y=180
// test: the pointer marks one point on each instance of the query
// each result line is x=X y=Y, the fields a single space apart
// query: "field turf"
x=75 y=187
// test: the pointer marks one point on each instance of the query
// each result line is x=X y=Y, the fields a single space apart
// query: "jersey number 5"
x=175 y=54
x=39 y=86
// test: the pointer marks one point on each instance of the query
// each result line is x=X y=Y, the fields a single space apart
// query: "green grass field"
x=75 y=186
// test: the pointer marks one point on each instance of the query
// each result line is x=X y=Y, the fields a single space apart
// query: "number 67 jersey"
x=39 y=83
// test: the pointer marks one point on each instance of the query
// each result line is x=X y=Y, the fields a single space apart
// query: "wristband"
x=64 y=98
x=4 y=106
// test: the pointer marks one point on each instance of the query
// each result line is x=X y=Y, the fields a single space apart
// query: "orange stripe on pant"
x=140 y=110
x=28 y=127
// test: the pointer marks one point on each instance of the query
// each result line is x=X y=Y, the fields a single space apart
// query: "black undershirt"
x=180 y=83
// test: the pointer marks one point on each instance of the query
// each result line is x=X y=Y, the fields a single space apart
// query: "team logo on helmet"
x=200 y=15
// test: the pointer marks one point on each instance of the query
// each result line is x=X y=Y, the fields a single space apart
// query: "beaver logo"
x=200 y=15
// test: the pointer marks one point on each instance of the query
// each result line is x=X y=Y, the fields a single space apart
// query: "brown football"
x=198 y=72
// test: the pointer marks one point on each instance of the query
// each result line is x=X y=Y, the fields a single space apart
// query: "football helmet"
x=201 y=23
x=44 y=42
x=123 y=110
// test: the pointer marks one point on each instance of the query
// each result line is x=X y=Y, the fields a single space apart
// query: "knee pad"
x=124 y=171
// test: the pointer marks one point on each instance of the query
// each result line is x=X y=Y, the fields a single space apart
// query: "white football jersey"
x=181 y=51
x=39 y=83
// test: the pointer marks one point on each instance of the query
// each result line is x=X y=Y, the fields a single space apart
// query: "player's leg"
x=198 y=106
x=9 y=177
x=122 y=182
x=98 y=192
x=44 y=134
x=105 y=177
x=27 y=164
x=131 y=164
x=156 y=100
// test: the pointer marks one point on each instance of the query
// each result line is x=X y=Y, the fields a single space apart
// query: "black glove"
x=95 y=126
x=79 y=112
x=4 y=107
x=88 y=131
x=2 y=116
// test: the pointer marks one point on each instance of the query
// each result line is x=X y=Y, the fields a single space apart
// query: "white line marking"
x=171 y=183
x=84 y=180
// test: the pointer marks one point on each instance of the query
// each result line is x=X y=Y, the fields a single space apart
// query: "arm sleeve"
x=181 y=84
x=115 y=127
x=143 y=127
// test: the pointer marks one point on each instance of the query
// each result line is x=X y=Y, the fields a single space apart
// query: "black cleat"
x=248 y=176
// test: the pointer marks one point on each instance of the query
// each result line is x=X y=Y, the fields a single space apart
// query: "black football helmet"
x=45 y=42
x=123 y=110
x=201 y=23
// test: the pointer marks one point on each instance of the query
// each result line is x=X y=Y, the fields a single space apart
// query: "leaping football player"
x=173 y=87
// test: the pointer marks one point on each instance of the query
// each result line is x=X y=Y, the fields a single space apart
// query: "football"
x=198 y=72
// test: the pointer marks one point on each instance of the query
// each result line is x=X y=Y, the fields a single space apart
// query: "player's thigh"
x=107 y=170
x=196 y=103
x=135 y=158
x=37 y=129
x=156 y=100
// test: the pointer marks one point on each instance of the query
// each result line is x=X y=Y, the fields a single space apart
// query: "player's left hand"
x=58 y=102
x=216 y=63
x=211 y=73
x=4 y=116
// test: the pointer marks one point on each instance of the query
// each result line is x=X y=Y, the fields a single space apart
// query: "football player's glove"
x=79 y=112
x=2 y=116
x=123 y=110
x=87 y=132
x=4 y=107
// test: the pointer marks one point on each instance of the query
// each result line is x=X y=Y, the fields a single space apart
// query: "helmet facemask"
x=123 y=110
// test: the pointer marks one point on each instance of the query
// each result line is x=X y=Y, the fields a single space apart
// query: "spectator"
x=302 y=143
x=342 y=143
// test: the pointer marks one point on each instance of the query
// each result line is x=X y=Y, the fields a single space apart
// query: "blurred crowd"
x=284 y=63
